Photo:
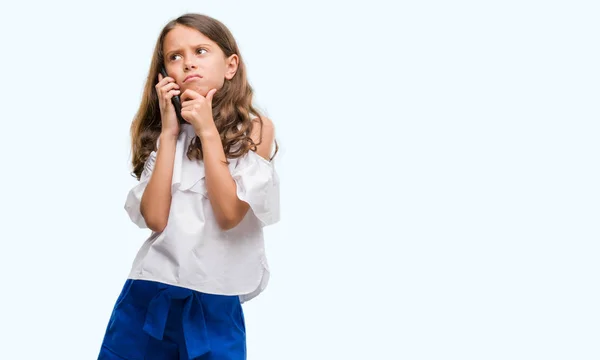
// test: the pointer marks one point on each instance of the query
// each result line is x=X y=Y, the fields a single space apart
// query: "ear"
x=231 y=65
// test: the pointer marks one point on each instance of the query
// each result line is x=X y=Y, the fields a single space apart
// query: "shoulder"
x=265 y=134
x=267 y=128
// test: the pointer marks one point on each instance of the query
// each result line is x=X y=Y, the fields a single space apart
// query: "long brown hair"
x=232 y=105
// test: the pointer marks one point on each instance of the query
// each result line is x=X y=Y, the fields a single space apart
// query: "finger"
x=164 y=81
x=162 y=92
x=170 y=86
x=187 y=104
x=186 y=115
x=172 y=93
x=190 y=95
x=210 y=95
x=189 y=107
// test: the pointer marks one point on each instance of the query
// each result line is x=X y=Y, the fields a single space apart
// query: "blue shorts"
x=152 y=320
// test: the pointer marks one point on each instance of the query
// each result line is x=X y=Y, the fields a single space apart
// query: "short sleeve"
x=258 y=185
x=134 y=197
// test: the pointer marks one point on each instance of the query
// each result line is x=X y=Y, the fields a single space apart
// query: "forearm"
x=228 y=208
x=156 y=200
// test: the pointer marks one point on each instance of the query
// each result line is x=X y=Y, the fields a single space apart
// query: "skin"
x=190 y=53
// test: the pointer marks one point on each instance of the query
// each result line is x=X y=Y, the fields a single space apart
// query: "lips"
x=193 y=76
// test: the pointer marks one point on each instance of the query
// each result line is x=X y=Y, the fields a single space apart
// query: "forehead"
x=183 y=36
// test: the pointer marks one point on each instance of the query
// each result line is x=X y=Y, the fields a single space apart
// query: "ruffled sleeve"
x=134 y=197
x=258 y=185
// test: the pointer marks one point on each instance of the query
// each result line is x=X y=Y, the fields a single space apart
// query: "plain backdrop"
x=439 y=169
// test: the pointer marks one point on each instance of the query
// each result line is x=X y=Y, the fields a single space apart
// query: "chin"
x=199 y=89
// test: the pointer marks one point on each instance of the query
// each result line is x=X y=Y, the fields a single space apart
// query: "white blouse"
x=193 y=251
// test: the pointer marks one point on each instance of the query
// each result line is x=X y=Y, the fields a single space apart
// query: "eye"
x=174 y=57
x=202 y=51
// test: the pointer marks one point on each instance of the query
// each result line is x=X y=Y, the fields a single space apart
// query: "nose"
x=189 y=64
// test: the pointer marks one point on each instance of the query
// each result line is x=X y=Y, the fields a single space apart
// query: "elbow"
x=157 y=227
x=156 y=218
x=230 y=216
x=228 y=223
x=156 y=223
x=231 y=220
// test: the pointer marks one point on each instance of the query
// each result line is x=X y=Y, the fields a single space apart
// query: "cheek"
x=216 y=75
x=219 y=83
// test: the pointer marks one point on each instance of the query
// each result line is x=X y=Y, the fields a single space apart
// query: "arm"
x=228 y=208
x=156 y=200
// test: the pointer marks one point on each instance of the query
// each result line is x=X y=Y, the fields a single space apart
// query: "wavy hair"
x=232 y=105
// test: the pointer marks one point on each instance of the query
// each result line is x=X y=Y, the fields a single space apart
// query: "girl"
x=206 y=189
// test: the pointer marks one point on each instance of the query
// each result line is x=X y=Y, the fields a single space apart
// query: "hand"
x=197 y=110
x=166 y=88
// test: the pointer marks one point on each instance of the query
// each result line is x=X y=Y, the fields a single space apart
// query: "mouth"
x=191 y=77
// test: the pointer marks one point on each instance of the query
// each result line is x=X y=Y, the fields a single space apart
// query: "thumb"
x=210 y=95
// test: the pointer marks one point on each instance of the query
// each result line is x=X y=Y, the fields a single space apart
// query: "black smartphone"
x=175 y=100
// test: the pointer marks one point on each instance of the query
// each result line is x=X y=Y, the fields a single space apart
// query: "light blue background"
x=439 y=164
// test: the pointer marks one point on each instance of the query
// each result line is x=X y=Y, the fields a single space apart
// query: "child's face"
x=195 y=61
